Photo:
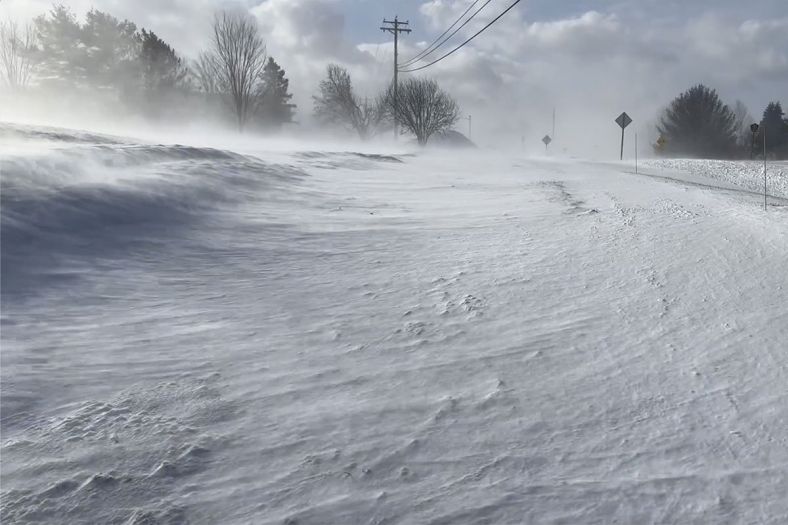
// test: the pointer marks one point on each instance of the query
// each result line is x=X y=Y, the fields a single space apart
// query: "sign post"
x=623 y=120
x=764 y=168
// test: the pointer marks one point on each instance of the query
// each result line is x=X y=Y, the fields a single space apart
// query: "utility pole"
x=393 y=27
x=553 y=133
x=469 y=127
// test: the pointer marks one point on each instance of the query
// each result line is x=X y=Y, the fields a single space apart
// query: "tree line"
x=233 y=75
x=420 y=106
x=697 y=123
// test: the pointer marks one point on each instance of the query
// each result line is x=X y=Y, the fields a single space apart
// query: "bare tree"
x=236 y=60
x=741 y=125
x=206 y=74
x=374 y=116
x=422 y=108
x=338 y=104
x=16 y=46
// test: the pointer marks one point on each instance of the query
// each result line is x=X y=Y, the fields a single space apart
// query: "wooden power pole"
x=394 y=27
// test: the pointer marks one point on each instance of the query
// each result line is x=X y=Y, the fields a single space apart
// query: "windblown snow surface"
x=195 y=335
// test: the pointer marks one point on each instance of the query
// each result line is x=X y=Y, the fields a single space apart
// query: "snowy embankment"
x=198 y=335
x=741 y=173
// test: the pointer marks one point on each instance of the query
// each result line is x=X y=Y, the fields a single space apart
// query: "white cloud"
x=593 y=65
x=590 y=25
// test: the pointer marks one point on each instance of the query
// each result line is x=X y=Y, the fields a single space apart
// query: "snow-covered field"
x=205 y=336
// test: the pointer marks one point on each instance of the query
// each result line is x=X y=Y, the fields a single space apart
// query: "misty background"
x=589 y=61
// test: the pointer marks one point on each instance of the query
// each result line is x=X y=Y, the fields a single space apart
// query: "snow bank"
x=745 y=174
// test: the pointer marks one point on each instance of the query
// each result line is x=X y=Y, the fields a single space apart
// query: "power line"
x=412 y=61
x=428 y=50
x=463 y=44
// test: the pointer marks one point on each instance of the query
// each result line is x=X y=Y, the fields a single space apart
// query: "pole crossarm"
x=395 y=26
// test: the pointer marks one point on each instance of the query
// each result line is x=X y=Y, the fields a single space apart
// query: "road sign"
x=754 y=128
x=547 y=140
x=623 y=120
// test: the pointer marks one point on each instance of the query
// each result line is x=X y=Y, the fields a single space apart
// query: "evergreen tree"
x=113 y=49
x=773 y=125
x=784 y=153
x=103 y=52
x=60 y=55
x=275 y=108
x=698 y=124
x=162 y=68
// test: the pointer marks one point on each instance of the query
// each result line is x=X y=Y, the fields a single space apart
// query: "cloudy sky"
x=588 y=59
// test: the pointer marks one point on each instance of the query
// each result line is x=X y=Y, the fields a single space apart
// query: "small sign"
x=754 y=128
x=623 y=120
x=547 y=140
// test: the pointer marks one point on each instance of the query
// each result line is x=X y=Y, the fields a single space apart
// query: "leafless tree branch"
x=338 y=104
x=234 y=64
x=16 y=59
x=206 y=73
x=422 y=108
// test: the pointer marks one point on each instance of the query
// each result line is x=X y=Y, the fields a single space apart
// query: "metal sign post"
x=623 y=120
x=764 y=168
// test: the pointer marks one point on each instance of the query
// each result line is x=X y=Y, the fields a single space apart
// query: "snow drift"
x=197 y=335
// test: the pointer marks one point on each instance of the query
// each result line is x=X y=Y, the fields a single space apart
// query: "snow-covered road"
x=201 y=336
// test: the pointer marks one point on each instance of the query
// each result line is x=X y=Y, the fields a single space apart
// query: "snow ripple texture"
x=303 y=336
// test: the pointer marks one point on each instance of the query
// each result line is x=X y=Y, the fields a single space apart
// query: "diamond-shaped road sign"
x=547 y=140
x=623 y=120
